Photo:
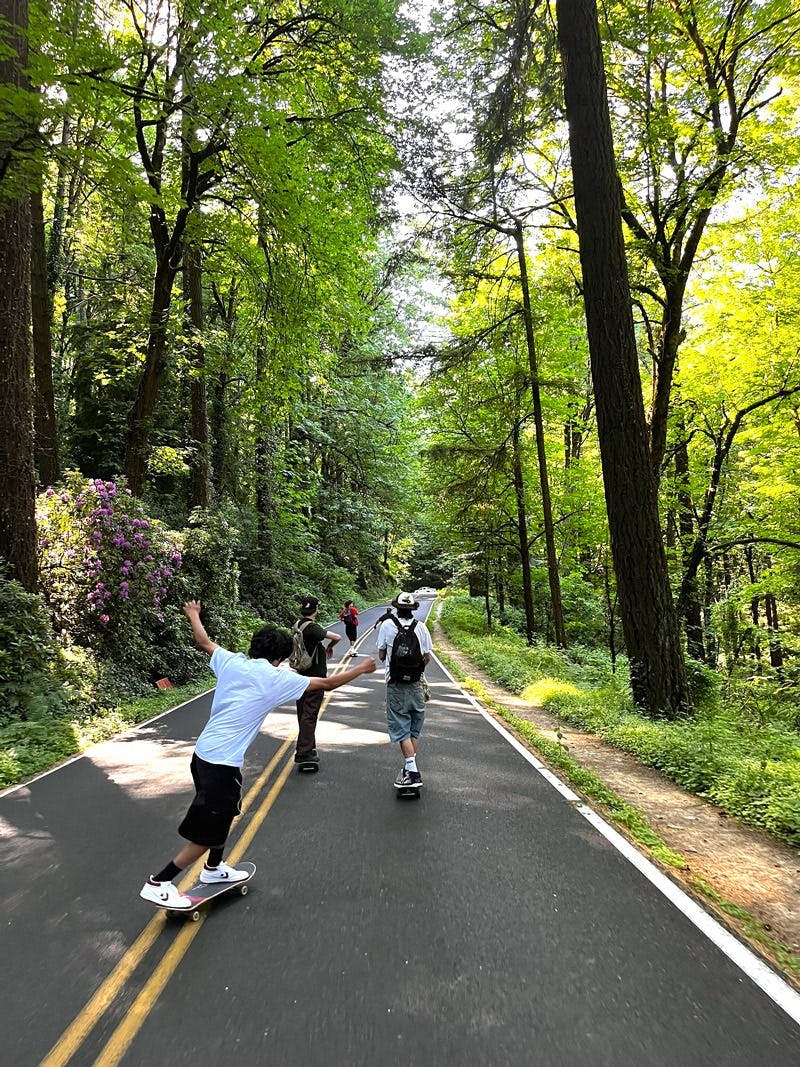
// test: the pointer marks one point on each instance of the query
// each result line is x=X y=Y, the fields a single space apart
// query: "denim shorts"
x=405 y=710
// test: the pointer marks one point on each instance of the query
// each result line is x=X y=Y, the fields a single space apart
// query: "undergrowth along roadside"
x=632 y=820
x=742 y=754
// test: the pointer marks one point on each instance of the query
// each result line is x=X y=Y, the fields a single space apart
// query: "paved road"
x=487 y=923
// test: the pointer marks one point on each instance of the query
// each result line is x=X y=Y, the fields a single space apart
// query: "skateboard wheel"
x=195 y=916
x=243 y=890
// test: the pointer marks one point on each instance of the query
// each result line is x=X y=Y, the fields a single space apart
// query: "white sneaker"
x=352 y=652
x=164 y=893
x=223 y=873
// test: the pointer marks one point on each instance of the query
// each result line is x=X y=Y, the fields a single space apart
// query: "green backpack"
x=300 y=658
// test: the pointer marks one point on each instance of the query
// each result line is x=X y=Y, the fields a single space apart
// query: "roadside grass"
x=26 y=748
x=740 y=751
x=631 y=819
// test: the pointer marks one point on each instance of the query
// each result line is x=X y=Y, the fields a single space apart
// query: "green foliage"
x=31 y=668
x=210 y=570
x=745 y=757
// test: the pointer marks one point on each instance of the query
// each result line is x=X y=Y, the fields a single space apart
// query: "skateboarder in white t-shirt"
x=248 y=688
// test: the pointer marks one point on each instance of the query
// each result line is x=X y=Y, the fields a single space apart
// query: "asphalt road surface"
x=486 y=923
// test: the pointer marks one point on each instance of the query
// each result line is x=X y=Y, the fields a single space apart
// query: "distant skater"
x=248 y=689
x=309 y=703
x=405 y=646
x=349 y=616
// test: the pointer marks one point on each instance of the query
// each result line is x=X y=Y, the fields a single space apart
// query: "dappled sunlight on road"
x=454 y=704
x=146 y=767
x=23 y=844
x=329 y=732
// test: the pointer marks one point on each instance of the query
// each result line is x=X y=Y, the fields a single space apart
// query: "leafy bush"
x=31 y=676
x=210 y=570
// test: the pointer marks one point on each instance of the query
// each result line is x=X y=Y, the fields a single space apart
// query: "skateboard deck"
x=308 y=766
x=201 y=892
x=409 y=790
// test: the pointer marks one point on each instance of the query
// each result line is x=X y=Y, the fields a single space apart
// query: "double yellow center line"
x=118 y=1044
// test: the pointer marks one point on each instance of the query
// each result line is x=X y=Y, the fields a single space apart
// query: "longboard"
x=310 y=766
x=202 y=892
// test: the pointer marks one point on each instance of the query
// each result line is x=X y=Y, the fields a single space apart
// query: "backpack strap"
x=406 y=629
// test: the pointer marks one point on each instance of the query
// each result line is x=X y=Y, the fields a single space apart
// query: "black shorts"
x=351 y=630
x=216 y=804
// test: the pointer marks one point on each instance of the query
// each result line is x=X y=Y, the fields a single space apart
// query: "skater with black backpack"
x=405 y=646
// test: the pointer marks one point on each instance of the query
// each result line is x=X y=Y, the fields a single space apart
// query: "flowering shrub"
x=106 y=568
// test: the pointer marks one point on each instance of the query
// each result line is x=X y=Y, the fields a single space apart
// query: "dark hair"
x=308 y=605
x=405 y=613
x=270 y=643
x=347 y=603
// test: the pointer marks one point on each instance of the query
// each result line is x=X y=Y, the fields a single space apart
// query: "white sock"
x=411 y=763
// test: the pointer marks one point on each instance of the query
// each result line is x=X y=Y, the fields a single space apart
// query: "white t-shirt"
x=247 y=691
x=388 y=632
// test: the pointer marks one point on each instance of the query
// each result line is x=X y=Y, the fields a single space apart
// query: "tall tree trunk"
x=500 y=589
x=55 y=247
x=652 y=637
x=198 y=413
x=487 y=587
x=219 y=434
x=46 y=434
x=17 y=480
x=140 y=420
x=611 y=607
x=522 y=531
x=754 y=603
x=664 y=371
x=264 y=501
x=692 y=610
x=544 y=483
x=775 y=647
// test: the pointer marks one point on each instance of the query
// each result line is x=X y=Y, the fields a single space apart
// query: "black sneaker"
x=309 y=757
x=406 y=778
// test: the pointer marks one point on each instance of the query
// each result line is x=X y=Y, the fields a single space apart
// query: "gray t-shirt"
x=247 y=691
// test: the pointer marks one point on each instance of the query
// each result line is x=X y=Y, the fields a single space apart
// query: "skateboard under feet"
x=310 y=766
x=414 y=791
x=201 y=893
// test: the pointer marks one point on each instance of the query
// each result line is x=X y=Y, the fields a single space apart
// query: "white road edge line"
x=756 y=970
x=114 y=737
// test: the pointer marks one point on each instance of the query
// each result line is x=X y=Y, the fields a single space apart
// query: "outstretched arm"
x=191 y=610
x=335 y=680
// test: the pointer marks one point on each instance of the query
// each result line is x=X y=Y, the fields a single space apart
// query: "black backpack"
x=406 y=663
